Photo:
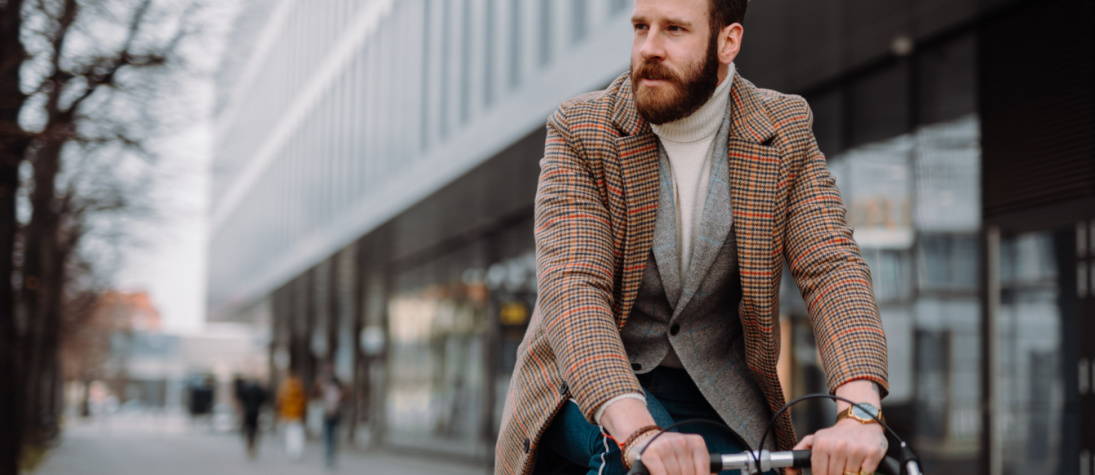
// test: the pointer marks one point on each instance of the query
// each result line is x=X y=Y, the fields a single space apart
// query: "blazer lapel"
x=637 y=150
x=754 y=178
x=667 y=245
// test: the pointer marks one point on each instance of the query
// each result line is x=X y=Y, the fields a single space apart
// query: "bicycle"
x=759 y=461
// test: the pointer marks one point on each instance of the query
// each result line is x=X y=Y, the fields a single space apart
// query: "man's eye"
x=675 y=29
x=639 y=27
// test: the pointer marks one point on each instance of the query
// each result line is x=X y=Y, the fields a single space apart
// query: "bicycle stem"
x=747 y=462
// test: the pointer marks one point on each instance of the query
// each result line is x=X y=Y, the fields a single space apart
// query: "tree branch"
x=69 y=10
x=102 y=72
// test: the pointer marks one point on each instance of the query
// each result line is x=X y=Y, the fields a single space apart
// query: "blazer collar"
x=749 y=120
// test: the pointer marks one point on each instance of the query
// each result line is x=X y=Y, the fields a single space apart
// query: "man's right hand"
x=677 y=454
x=671 y=454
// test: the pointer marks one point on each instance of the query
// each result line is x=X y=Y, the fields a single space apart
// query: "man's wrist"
x=598 y=416
x=858 y=390
x=624 y=416
x=853 y=424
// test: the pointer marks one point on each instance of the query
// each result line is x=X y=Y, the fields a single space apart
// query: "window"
x=465 y=62
x=579 y=20
x=948 y=262
x=546 y=23
x=424 y=125
x=488 y=52
x=446 y=73
x=515 y=43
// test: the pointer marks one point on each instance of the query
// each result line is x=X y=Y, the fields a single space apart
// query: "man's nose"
x=652 y=47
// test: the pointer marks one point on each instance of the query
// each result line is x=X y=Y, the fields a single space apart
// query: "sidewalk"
x=164 y=445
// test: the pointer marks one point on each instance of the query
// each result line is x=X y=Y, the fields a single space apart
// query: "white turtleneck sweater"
x=688 y=142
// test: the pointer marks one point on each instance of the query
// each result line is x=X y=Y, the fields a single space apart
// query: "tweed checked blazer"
x=595 y=213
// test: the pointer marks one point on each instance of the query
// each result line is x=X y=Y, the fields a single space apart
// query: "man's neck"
x=704 y=122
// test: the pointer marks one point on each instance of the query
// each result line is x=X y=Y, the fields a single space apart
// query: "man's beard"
x=688 y=93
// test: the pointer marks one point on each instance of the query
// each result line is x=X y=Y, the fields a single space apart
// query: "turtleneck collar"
x=705 y=121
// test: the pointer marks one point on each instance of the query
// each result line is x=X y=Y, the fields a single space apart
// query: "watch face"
x=864 y=411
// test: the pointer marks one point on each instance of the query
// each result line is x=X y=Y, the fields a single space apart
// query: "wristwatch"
x=862 y=412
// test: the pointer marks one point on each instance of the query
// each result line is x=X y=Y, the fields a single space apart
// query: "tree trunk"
x=41 y=286
x=50 y=392
x=13 y=146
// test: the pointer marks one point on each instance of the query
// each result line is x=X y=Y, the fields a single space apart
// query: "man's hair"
x=727 y=12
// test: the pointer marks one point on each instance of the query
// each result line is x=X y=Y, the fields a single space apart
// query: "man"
x=667 y=206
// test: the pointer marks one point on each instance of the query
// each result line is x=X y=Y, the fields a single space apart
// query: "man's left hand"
x=848 y=447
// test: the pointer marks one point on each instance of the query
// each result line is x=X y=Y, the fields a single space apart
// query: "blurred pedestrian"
x=202 y=395
x=330 y=391
x=291 y=406
x=251 y=396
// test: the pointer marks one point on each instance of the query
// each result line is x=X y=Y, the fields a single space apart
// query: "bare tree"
x=13 y=144
x=78 y=79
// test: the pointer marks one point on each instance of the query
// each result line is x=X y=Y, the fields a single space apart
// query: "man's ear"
x=730 y=38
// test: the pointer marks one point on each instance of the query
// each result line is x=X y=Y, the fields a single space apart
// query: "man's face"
x=674 y=62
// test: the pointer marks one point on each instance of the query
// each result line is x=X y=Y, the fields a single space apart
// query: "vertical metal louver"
x=1037 y=106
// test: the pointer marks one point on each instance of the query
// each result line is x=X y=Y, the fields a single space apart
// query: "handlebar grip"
x=801 y=458
x=639 y=469
x=889 y=466
x=716 y=463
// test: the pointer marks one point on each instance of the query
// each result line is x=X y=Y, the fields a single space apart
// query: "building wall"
x=1039 y=206
x=360 y=109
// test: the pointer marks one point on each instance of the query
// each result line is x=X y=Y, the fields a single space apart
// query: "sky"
x=169 y=261
x=168 y=256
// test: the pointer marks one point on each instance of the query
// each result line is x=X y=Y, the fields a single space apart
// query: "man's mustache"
x=655 y=71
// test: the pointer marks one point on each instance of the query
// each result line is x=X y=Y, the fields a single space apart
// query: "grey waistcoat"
x=702 y=304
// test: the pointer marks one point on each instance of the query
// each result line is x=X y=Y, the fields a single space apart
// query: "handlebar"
x=746 y=462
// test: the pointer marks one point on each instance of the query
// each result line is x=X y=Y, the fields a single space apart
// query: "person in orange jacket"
x=292 y=403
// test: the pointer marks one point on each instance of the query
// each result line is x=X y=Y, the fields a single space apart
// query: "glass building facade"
x=377 y=160
x=904 y=146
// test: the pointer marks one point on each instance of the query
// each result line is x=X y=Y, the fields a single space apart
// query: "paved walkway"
x=163 y=445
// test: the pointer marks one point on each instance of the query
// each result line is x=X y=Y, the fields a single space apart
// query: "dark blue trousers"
x=671 y=396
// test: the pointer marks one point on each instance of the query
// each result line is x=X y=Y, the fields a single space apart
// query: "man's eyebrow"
x=671 y=21
x=679 y=22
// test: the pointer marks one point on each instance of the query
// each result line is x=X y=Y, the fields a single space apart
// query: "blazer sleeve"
x=829 y=269
x=575 y=265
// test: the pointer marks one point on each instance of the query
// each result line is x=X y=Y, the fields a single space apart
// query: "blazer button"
x=527 y=445
x=675 y=329
x=564 y=389
x=636 y=366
